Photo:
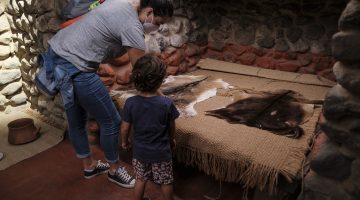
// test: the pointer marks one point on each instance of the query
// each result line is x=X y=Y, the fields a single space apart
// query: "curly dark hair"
x=148 y=73
x=162 y=8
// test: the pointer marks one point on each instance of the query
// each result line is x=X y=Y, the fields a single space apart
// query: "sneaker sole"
x=122 y=185
x=92 y=176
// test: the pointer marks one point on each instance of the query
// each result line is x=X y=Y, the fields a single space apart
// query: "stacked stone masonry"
x=284 y=35
x=31 y=24
x=335 y=159
x=11 y=92
x=287 y=35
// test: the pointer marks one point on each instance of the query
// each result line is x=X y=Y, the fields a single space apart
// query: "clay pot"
x=22 y=131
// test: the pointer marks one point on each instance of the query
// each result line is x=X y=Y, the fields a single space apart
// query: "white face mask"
x=149 y=26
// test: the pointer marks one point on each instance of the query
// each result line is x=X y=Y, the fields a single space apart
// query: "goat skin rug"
x=184 y=90
x=281 y=112
x=233 y=152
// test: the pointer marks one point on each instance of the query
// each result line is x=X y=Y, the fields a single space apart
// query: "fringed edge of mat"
x=249 y=174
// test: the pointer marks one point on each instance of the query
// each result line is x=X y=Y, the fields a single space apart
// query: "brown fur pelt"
x=281 y=112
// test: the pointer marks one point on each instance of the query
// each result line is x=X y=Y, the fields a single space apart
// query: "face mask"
x=149 y=26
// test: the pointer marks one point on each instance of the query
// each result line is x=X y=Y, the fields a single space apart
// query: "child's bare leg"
x=139 y=189
x=168 y=191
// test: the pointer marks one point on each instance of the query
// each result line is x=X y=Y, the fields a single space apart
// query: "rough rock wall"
x=32 y=23
x=335 y=160
x=285 y=35
x=11 y=93
x=299 y=26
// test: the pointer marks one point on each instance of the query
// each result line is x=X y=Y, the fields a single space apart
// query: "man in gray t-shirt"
x=111 y=29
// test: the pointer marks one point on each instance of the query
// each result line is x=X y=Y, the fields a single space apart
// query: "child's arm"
x=172 y=127
x=173 y=114
x=125 y=130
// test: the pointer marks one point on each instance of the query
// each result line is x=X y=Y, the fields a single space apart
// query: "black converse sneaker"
x=122 y=178
x=100 y=168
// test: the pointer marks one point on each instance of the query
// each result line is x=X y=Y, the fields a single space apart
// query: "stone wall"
x=32 y=23
x=335 y=159
x=285 y=35
x=11 y=93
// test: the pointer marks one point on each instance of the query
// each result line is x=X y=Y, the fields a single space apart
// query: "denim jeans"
x=92 y=98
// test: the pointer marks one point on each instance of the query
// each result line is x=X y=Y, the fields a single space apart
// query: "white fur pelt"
x=184 y=90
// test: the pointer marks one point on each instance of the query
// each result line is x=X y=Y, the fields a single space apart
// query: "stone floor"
x=56 y=174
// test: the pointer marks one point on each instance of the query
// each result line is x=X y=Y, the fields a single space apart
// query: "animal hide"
x=187 y=90
x=184 y=90
x=281 y=112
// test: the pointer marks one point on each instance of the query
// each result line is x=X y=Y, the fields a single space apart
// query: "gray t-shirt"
x=103 y=33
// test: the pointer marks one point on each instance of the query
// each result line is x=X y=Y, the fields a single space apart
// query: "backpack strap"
x=95 y=4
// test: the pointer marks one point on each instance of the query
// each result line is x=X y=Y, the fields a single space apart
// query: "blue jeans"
x=91 y=97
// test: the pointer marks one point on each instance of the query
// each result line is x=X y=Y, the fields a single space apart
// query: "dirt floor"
x=56 y=174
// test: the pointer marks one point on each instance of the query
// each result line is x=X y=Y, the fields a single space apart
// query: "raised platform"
x=238 y=153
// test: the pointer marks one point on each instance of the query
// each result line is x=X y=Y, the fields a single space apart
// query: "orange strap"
x=67 y=23
x=70 y=21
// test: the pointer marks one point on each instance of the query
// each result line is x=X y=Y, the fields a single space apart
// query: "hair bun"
x=144 y=3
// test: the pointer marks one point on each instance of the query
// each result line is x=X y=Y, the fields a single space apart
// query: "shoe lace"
x=122 y=173
x=102 y=165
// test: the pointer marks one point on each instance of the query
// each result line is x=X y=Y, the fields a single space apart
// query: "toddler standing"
x=152 y=117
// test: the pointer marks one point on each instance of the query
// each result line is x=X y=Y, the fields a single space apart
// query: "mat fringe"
x=249 y=174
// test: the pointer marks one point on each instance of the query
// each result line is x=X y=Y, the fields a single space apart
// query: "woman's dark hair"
x=148 y=73
x=162 y=8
